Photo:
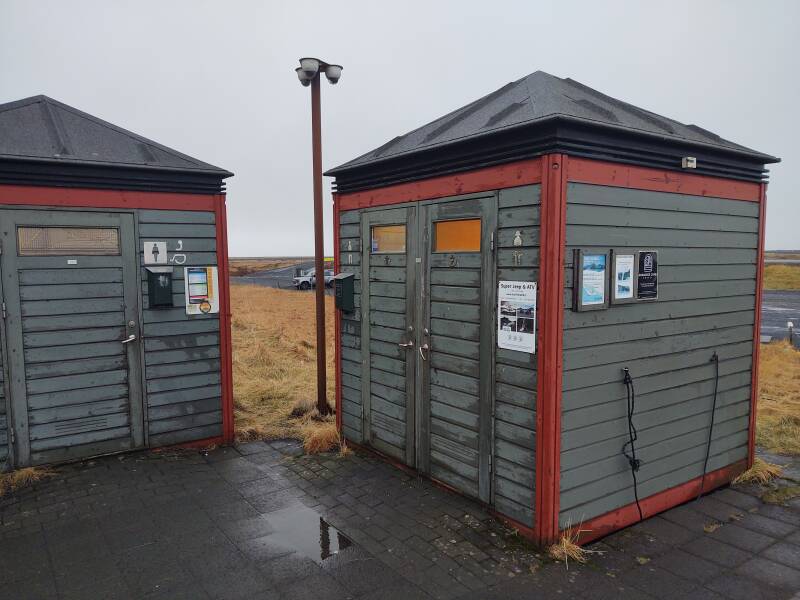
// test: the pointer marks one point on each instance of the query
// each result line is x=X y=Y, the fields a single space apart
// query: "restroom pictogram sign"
x=155 y=253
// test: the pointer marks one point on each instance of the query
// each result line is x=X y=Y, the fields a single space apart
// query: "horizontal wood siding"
x=350 y=259
x=3 y=411
x=707 y=253
x=181 y=352
x=514 y=458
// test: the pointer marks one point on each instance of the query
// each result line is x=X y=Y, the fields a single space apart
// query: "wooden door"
x=70 y=282
x=456 y=342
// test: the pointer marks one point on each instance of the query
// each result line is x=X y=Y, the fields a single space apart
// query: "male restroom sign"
x=155 y=253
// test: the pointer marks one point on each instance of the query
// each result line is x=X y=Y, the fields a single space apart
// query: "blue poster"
x=593 y=290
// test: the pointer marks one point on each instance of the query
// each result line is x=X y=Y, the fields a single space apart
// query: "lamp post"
x=308 y=73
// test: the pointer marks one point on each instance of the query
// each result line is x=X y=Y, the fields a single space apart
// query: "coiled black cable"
x=633 y=435
x=715 y=360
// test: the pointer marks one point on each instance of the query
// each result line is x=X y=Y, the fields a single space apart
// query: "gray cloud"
x=216 y=80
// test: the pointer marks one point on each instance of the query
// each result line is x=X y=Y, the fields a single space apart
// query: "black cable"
x=715 y=360
x=633 y=435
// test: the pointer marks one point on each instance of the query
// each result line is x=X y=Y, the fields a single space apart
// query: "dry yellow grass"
x=778 y=416
x=274 y=360
x=761 y=472
x=15 y=480
x=782 y=277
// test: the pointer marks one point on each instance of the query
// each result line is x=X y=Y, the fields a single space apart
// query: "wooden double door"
x=428 y=306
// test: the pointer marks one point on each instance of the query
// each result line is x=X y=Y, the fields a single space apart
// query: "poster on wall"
x=201 y=286
x=516 y=316
x=647 y=278
x=623 y=281
x=593 y=279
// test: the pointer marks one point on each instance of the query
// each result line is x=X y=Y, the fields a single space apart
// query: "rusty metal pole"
x=319 y=248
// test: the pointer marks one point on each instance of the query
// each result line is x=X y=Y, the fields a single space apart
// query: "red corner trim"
x=514 y=174
x=598 y=172
x=762 y=221
x=226 y=349
x=652 y=505
x=550 y=344
x=76 y=197
x=337 y=318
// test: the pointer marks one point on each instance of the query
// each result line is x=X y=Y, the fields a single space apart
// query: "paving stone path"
x=263 y=521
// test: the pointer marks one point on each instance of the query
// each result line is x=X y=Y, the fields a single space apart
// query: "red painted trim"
x=80 y=197
x=762 y=222
x=194 y=445
x=337 y=318
x=225 y=313
x=582 y=170
x=652 y=505
x=514 y=174
x=552 y=217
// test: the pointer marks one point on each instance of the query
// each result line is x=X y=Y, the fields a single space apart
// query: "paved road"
x=778 y=307
x=262 y=522
x=276 y=278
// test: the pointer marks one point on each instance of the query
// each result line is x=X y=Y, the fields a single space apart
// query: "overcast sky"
x=216 y=79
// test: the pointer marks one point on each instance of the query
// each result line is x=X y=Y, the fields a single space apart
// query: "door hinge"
x=491 y=243
x=12 y=436
x=3 y=305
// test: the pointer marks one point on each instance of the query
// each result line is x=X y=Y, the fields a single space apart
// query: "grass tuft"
x=22 y=478
x=778 y=414
x=761 y=472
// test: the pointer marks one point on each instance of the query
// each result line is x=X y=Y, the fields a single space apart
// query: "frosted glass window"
x=388 y=239
x=68 y=241
x=463 y=235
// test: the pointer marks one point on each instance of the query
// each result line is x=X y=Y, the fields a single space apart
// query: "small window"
x=457 y=236
x=388 y=239
x=67 y=241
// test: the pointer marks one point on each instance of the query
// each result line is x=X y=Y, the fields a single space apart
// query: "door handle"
x=421 y=353
x=407 y=344
x=129 y=339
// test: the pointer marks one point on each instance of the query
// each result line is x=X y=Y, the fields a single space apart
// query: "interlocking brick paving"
x=262 y=520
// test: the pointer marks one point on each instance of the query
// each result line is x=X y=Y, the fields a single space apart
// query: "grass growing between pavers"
x=782 y=277
x=274 y=366
x=778 y=416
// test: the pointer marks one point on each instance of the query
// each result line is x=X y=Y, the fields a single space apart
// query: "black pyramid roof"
x=46 y=142
x=556 y=115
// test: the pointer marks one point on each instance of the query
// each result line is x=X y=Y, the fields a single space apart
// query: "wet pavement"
x=263 y=521
x=777 y=308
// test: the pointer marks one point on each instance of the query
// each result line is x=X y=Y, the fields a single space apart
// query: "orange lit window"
x=388 y=239
x=457 y=236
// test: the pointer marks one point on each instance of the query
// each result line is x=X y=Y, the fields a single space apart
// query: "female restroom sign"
x=516 y=316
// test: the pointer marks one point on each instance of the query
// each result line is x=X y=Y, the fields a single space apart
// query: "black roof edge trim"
x=558 y=118
x=104 y=177
x=219 y=173
x=571 y=137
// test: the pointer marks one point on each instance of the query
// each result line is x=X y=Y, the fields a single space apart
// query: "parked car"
x=308 y=279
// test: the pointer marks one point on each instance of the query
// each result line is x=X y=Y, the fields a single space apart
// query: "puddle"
x=303 y=530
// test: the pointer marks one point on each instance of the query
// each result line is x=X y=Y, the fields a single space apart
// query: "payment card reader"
x=202 y=290
x=344 y=291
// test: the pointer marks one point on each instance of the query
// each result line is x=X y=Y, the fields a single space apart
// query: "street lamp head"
x=310 y=66
x=333 y=73
x=303 y=77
